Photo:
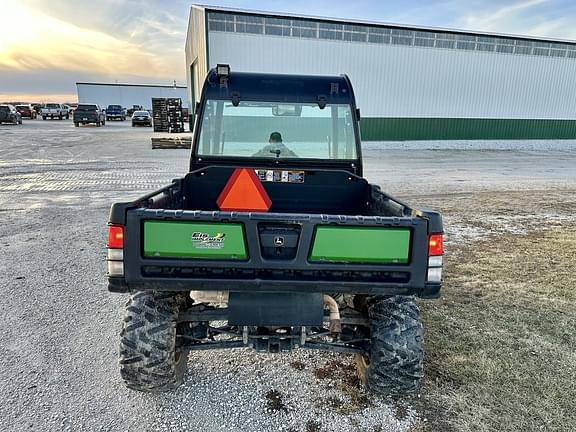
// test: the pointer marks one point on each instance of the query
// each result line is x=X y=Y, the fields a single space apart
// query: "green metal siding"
x=414 y=129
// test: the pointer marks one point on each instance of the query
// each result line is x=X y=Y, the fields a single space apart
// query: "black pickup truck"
x=273 y=241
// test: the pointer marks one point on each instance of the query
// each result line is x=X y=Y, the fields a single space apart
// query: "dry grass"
x=501 y=343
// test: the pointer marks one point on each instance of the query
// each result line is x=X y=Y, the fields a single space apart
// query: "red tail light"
x=116 y=237
x=435 y=245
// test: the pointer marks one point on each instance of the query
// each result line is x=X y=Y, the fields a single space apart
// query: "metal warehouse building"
x=411 y=83
x=128 y=94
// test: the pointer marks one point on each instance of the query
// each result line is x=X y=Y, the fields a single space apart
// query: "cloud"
x=49 y=43
x=538 y=18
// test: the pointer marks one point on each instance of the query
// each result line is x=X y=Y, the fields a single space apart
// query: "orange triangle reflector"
x=244 y=192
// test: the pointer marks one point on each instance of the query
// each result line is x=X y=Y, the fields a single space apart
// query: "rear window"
x=52 y=105
x=85 y=107
x=141 y=113
x=4 y=108
x=114 y=107
x=22 y=106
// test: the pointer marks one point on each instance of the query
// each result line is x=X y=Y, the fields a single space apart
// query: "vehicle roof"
x=280 y=88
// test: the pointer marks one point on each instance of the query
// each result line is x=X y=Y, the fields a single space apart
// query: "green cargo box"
x=369 y=245
x=176 y=239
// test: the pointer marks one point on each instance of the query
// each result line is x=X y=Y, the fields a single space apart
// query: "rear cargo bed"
x=177 y=239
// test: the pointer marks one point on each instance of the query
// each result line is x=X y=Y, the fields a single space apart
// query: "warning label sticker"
x=279 y=176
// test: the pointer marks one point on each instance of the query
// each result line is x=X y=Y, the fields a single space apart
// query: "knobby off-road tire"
x=148 y=359
x=395 y=363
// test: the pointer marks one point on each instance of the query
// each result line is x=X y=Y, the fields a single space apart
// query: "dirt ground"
x=500 y=345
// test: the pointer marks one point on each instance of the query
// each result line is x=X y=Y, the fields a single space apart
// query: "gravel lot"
x=58 y=368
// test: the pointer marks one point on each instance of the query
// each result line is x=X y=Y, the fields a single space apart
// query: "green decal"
x=370 y=245
x=178 y=239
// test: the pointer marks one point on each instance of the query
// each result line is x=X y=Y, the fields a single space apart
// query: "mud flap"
x=271 y=309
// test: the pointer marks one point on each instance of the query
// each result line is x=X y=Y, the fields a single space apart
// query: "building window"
x=464 y=45
x=330 y=31
x=378 y=35
x=443 y=43
x=506 y=49
x=424 y=42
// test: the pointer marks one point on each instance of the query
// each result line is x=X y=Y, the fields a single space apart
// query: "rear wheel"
x=43 y=117
x=395 y=363
x=149 y=361
x=98 y=123
x=76 y=124
x=68 y=116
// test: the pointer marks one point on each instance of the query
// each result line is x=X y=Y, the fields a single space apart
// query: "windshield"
x=86 y=108
x=52 y=106
x=276 y=130
x=4 y=108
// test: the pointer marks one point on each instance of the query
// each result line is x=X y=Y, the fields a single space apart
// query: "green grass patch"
x=501 y=343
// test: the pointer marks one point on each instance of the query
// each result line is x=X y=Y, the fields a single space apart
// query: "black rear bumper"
x=258 y=274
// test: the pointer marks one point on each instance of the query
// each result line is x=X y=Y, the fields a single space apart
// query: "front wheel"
x=43 y=117
x=395 y=362
x=67 y=116
x=76 y=124
x=149 y=361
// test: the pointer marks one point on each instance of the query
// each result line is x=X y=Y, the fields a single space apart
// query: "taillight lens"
x=435 y=245
x=115 y=237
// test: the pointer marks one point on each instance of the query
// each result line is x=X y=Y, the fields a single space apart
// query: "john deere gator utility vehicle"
x=273 y=240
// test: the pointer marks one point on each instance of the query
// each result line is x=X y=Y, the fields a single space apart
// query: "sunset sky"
x=46 y=46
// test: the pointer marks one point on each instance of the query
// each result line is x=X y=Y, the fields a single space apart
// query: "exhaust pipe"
x=335 y=326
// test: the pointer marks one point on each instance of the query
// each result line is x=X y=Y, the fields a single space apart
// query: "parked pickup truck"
x=115 y=112
x=274 y=241
x=53 y=110
x=89 y=113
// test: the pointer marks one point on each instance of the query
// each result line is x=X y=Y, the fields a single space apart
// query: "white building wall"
x=127 y=95
x=398 y=81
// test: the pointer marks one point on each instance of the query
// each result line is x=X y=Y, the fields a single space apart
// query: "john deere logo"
x=278 y=241
x=201 y=240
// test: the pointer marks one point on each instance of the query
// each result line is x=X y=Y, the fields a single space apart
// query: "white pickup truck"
x=54 y=110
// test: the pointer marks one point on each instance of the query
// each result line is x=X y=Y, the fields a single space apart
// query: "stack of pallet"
x=160 y=115
x=175 y=115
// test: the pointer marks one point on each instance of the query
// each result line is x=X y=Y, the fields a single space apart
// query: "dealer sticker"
x=202 y=240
